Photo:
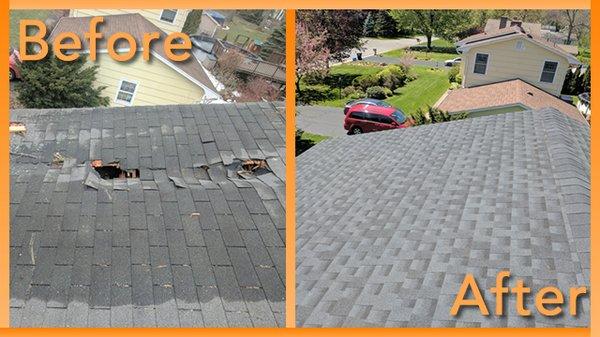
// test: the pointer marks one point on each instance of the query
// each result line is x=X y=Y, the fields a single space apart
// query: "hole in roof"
x=253 y=165
x=113 y=170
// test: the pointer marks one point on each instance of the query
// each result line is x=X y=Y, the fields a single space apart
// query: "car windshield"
x=398 y=116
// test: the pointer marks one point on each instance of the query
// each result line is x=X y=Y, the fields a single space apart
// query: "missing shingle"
x=253 y=165
x=113 y=170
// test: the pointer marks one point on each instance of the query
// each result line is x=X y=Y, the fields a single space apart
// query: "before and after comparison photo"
x=421 y=168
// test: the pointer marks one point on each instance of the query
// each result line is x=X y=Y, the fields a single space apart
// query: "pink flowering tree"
x=312 y=54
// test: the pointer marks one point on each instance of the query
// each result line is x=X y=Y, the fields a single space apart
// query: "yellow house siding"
x=153 y=15
x=505 y=62
x=157 y=83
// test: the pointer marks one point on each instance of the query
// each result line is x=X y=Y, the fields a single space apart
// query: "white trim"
x=174 y=18
x=509 y=105
x=184 y=74
x=119 y=101
x=487 y=63
x=555 y=72
x=569 y=57
x=213 y=19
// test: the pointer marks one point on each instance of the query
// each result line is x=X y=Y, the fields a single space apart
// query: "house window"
x=481 y=61
x=168 y=15
x=126 y=92
x=549 y=71
x=520 y=45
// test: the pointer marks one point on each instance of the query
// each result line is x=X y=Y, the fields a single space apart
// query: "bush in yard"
x=433 y=115
x=393 y=76
x=259 y=89
x=192 y=22
x=397 y=91
x=454 y=75
x=378 y=92
x=316 y=93
x=348 y=91
x=366 y=81
x=52 y=83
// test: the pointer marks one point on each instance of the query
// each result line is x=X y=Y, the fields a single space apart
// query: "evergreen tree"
x=384 y=25
x=369 y=25
x=275 y=43
x=254 y=16
x=52 y=83
x=192 y=22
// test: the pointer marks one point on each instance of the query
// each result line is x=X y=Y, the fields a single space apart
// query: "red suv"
x=362 y=118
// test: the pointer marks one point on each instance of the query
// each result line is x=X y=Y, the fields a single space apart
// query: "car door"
x=370 y=122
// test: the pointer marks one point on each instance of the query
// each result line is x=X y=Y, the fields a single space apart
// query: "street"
x=384 y=45
x=325 y=121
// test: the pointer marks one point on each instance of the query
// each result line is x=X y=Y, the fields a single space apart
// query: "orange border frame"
x=290 y=169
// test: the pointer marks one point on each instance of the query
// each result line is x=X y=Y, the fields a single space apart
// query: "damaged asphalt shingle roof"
x=189 y=243
x=389 y=223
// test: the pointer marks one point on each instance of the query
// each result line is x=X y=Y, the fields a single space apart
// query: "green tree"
x=275 y=43
x=192 y=22
x=52 y=83
x=384 y=25
x=429 y=22
x=254 y=16
x=369 y=25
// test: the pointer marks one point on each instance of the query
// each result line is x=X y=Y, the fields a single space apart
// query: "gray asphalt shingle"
x=177 y=246
x=389 y=223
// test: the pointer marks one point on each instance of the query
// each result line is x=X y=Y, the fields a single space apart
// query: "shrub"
x=315 y=77
x=435 y=49
x=378 y=92
x=366 y=81
x=397 y=91
x=454 y=75
x=433 y=115
x=348 y=91
x=393 y=76
x=52 y=83
x=357 y=94
x=315 y=93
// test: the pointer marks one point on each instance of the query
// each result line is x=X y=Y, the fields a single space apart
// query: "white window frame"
x=555 y=72
x=120 y=101
x=487 y=64
x=174 y=18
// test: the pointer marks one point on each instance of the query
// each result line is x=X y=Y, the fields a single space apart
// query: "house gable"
x=516 y=57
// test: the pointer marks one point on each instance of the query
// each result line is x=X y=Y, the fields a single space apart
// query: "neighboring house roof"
x=217 y=17
x=135 y=25
x=533 y=28
x=512 y=32
x=389 y=223
x=505 y=93
x=194 y=241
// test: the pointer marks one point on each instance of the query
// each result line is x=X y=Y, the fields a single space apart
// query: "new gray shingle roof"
x=189 y=243
x=389 y=223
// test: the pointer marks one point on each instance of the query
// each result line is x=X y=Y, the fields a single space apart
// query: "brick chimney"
x=503 y=21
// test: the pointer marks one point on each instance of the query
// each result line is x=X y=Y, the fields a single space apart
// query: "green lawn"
x=240 y=26
x=439 y=43
x=429 y=86
x=18 y=15
x=363 y=68
x=421 y=55
x=312 y=137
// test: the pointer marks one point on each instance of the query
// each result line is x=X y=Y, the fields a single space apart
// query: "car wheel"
x=356 y=131
x=11 y=75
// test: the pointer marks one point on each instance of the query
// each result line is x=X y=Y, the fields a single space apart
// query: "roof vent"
x=529 y=93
